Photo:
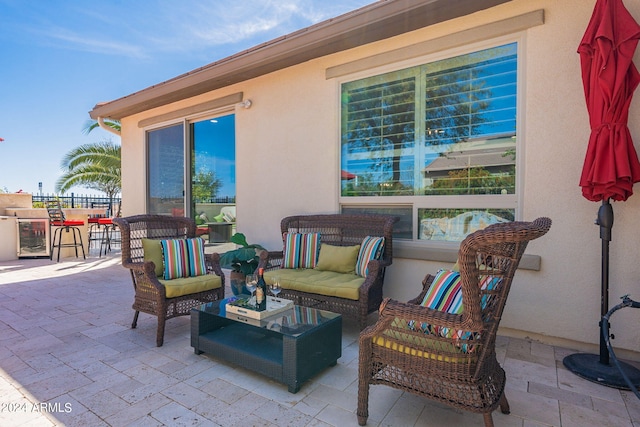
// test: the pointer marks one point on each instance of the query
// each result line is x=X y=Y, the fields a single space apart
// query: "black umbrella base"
x=589 y=367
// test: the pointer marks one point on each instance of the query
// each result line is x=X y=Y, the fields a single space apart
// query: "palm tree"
x=90 y=125
x=95 y=166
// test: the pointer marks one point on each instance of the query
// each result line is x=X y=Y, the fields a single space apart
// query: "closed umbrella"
x=611 y=165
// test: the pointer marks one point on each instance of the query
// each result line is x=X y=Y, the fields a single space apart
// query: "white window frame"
x=508 y=201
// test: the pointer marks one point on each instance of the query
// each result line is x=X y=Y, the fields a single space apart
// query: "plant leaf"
x=239 y=239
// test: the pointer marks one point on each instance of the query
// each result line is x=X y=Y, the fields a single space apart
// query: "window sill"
x=413 y=250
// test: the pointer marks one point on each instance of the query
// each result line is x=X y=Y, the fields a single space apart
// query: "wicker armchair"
x=447 y=357
x=150 y=293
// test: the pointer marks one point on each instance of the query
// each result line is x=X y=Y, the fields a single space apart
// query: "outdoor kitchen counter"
x=69 y=213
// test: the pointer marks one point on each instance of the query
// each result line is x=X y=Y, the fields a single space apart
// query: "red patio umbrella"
x=611 y=165
x=609 y=77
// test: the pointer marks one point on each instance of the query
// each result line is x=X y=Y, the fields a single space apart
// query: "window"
x=165 y=157
x=208 y=164
x=438 y=137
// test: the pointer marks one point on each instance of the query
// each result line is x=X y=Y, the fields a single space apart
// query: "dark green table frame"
x=289 y=347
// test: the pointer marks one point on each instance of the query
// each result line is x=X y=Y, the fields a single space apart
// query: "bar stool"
x=107 y=236
x=57 y=219
x=94 y=226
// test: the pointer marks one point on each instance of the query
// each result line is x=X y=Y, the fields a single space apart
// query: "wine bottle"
x=261 y=292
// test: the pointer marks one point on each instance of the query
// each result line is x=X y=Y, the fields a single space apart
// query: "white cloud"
x=214 y=23
x=217 y=23
x=78 y=41
x=152 y=28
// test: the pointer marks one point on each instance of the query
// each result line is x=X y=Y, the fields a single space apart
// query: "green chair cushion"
x=191 y=285
x=429 y=350
x=153 y=252
x=421 y=345
x=314 y=281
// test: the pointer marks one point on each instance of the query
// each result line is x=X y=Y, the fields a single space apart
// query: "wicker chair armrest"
x=374 y=269
x=147 y=267
x=145 y=276
x=270 y=260
x=213 y=264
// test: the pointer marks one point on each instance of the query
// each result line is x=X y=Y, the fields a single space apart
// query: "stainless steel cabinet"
x=33 y=237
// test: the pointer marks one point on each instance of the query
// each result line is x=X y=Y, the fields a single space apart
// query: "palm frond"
x=96 y=166
x=90 y=125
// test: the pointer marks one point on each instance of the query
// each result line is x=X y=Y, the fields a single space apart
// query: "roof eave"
x=378 y=21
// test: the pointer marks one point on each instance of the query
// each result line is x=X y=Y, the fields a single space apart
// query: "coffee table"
x=289 y=347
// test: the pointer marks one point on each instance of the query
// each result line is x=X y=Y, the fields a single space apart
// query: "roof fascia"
x=378 y=21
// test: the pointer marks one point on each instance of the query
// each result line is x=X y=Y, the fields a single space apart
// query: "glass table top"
x=293 y=321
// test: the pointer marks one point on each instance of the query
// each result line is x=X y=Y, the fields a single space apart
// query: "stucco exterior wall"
x=287 y=154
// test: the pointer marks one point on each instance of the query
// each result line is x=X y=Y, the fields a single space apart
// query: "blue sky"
x=59 y=58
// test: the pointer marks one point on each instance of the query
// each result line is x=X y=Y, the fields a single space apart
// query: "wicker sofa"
x=323 y=285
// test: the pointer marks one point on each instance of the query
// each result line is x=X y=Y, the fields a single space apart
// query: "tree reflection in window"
x=443 y=128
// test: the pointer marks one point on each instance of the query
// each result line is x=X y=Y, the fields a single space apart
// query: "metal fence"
x=85 y=201
x=219 y=200
x=80 y=201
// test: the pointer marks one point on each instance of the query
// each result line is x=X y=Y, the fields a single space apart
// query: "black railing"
x=85 y=201
x=79 y=201
x=225 y=199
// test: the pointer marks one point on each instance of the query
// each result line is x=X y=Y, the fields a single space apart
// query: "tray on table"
x=243 y=308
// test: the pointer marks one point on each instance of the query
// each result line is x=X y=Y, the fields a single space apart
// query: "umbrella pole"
x=592 y=367
x=605 y=221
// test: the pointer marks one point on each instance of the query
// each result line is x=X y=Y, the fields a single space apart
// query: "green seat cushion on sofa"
x=191 y=285
x=153 y=252
x=313 y=281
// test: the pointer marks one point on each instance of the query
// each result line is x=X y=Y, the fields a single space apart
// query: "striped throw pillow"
x=445 y=294
x=300 y=250
x=195 y=251
x=371 y=248
x=174 y=254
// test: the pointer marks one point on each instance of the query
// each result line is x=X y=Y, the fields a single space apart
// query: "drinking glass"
x=251 y=283
x=275 y=287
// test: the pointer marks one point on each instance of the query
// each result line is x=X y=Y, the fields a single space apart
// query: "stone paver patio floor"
x=69 y=358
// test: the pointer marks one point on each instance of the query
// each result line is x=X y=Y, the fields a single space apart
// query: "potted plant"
x=242 y=261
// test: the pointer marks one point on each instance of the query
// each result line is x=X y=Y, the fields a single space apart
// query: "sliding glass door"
x=165 y=157
x=213 y=174
x=209 y=167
